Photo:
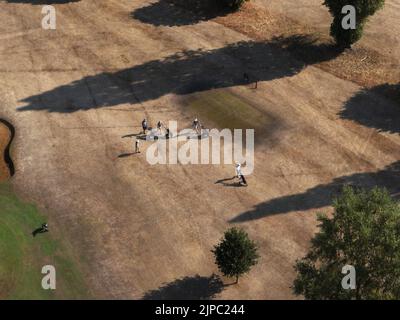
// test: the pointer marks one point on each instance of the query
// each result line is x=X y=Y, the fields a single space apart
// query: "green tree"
x=236 y=253
x=364 y=232
x=232 y=4
x=364 y=9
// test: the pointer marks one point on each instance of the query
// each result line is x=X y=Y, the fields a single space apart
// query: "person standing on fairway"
x=196 y=125
x=160 y=125
x=137 y=146
x=144 y=126
x=240 y=175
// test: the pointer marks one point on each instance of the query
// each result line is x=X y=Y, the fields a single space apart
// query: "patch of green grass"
x=22 y=256
x=227 y=110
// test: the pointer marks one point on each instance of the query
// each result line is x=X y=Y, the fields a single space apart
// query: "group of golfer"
x=197 y=127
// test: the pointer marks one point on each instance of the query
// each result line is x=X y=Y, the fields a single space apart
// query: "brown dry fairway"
x=76 y=94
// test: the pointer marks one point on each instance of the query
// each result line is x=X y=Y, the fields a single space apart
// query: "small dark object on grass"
x=44 y=228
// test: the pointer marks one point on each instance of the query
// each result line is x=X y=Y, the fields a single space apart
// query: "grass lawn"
x=22 y=256
x=226 y=110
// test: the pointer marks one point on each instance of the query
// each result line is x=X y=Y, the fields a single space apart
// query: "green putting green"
x=22 y=256
x=227 y=110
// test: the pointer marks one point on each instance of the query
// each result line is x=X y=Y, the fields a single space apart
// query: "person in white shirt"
x=238 y=169
x=196 y=126
x=240 y=175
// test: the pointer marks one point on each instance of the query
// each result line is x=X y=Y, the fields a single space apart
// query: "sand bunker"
x=6 y=136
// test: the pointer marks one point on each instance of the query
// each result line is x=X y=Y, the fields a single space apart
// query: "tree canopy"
x=364 y=232
x=233 y=4
x=236 y=253
x=363 y=9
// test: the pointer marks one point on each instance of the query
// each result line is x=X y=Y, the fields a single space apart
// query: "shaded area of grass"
x=308 y=48
x=22 y=256
x=188 y=288
x=179 y=12
x=391 y=91
x=368 y=108
x=181 y=73
x=321 y=195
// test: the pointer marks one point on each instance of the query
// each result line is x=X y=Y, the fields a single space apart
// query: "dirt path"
x=75 y=92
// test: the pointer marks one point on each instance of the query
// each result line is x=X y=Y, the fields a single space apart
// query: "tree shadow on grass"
x=227 y=182
x=323 y=194
x=181 y=73
x=125 y=155
x=370 y=108
x=188 y=288
x=179 y=12
x=308 y=48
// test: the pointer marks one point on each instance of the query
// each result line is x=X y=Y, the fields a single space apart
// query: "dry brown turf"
x=77 y=95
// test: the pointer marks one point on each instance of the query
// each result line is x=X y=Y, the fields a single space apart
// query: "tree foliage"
x=364 y=9
x=236 y=253
x=232 y=4
x=365 y=233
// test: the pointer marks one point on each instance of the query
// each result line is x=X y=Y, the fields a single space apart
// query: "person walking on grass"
x=246 y=79
x=239 y=174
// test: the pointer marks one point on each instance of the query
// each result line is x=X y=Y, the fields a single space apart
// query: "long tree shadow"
x=370 y=108
x=188 y=288
x=181 y=73
x=308 y=48
x=322 y=195
x=179 y=12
